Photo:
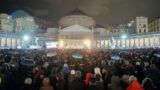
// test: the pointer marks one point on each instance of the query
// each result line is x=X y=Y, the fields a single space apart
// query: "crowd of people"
x=135 y=69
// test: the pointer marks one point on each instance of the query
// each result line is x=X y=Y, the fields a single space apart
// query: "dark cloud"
x=104 y=11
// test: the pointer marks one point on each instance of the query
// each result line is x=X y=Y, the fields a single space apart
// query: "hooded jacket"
x=135 y=86
x=88 y=76
x=65 y=70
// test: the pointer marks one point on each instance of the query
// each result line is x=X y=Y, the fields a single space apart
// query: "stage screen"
x=51 y=44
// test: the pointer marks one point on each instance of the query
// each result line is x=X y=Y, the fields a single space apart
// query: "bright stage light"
x=87 y=43
x=26 y=37
x=61 y=43
x=124 y=36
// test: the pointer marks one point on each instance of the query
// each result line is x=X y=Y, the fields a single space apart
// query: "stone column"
x=100 y=44
x=149 y=42
x=16 y=43
x=108 y=43
x=154 y=41
x=104 y=44
x=6 y=42
x=21 y=43
x=121 y=43
x=134 y=42
x=125 y=43
x=159 y=40
x=11 y=43
x=96 y=44
x=144 y=42
x=139 y=42
x=129 y=43
x=0 y=42
x=92 y=37
x=116 y=43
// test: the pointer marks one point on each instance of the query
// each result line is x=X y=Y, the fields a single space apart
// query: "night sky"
x=103 y=11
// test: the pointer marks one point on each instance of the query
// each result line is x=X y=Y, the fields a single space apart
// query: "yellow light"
x=87 y=43
x=61 y=43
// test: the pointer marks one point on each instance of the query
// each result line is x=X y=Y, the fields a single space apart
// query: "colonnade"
x=130 y=42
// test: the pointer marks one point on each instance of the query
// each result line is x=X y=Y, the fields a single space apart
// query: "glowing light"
x=19 y=47
x=61 y=44
x=124 y=36
x=87 y=43
x=26 y=37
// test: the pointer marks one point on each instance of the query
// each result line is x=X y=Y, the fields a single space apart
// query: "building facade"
x=154 y=26
x=77 y=31
x=14 y=29
x=149 y=40
x=6 y=24
x=141 y=24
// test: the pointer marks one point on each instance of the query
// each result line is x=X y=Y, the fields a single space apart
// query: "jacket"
x=135 y=86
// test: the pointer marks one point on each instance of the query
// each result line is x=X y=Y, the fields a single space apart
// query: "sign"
x=51 y=44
